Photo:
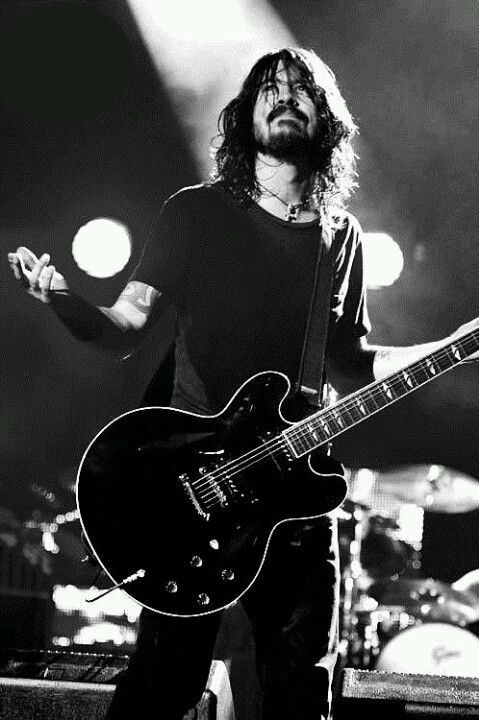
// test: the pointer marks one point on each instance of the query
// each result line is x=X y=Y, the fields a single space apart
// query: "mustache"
x=282 y=109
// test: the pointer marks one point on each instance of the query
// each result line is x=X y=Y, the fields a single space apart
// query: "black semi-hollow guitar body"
x=183 y=506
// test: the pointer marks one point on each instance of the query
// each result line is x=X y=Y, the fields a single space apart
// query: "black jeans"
x=293 y=609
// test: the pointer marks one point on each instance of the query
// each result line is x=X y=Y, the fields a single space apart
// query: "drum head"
x=432 y=649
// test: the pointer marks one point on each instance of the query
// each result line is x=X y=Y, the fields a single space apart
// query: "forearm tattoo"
x=134 y=304
x=390 y=359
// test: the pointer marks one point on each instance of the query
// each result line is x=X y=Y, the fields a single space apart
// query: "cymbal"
x=468 y=583
x=432 y=487
x=428 y=599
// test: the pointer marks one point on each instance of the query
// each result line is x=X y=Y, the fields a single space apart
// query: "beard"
x=286 y=140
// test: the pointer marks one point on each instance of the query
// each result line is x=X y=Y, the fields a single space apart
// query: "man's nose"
x=287 y=96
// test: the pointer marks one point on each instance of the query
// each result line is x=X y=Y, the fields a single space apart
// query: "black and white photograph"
x=239 y=466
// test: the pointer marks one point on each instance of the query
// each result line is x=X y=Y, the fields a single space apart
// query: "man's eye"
x=301 y=87
x=270 y=87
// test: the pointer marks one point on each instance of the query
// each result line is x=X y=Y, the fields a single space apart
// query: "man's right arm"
x=117 y=329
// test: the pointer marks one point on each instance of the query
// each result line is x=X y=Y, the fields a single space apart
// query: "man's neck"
x=281 y=178
x=284 y=190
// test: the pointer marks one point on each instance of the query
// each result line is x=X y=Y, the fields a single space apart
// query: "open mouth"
x=289 y=116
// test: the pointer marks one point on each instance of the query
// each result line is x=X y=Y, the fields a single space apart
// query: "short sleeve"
x=349 y=317
x=163 y=261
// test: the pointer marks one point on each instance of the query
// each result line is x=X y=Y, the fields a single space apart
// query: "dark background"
x=88 y=129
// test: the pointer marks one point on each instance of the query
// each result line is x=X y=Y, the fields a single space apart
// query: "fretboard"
x=323 y=426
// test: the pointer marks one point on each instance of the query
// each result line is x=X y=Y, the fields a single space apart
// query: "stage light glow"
x=104 y=632
x=69 y=598
x=49 y=543
x=383 y=259
x=411 y=523
x=102 y=247
x=61 y=641
x=205 y=21
x=202 y=51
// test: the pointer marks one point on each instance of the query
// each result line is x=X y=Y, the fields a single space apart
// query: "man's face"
x=284 y=117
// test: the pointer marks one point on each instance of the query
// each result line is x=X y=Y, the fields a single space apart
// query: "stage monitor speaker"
x=403 y=696
x=74 y=686
x=24 y=699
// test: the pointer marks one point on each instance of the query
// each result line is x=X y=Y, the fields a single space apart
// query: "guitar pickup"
x=184 y=480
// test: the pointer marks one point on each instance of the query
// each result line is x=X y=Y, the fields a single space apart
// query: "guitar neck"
x=325 y=425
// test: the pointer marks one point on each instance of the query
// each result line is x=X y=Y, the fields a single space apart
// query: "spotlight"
x=383 y=260
x=102 y=247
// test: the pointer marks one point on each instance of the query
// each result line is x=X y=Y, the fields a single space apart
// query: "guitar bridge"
x=191 y=495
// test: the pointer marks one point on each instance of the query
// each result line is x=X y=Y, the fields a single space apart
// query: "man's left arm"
x=387 y=360
x=354 y=363
x=351 y=361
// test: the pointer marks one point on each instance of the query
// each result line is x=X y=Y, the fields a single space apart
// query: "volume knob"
x=171 y=587
x=203 y=599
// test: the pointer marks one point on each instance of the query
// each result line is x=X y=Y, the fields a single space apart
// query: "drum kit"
x=393 y=619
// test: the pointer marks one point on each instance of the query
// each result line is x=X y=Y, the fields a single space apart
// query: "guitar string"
x=258 y=453
x=422 y=364
x=397 y=378
x=210 y=495
x=222 y=475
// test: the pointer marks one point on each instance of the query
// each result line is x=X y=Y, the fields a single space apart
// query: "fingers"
x=26 y=256
x=41 y=279
x=22 y=263
x=37 y=270
x=45 y=280
x=14 y=261
x=36 y=273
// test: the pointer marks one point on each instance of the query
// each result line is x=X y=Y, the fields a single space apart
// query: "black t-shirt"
x=242 y=280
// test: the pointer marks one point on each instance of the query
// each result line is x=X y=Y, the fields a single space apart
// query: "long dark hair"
x=333 y=161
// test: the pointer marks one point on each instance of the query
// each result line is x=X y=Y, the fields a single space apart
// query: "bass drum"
x=432 y=649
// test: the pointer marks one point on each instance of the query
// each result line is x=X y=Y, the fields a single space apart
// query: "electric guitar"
x=179 y=508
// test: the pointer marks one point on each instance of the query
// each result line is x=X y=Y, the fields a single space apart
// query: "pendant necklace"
x=292 y=209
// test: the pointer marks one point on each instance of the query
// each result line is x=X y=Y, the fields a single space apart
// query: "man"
x=237 y=256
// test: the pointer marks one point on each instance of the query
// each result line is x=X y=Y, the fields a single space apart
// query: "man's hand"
x=39 y=277
x=468 y=327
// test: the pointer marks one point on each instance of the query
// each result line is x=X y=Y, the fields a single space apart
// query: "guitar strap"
x=311 y=380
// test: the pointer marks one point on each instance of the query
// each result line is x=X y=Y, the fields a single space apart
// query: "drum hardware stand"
x=357 y=649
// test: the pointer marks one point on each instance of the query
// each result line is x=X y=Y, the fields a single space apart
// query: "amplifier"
x=25 y=699
x=72 y=667
x=41 y=685
x=400 y=696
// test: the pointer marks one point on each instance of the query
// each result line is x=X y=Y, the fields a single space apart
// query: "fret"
x=455 y=351
x=313 y=431
x=335 y=421
x=442 y=362
x=421 y=372
x=327 y=424
x=370 y=402
x=353 y=413
x=338 y=419
x=303 y=444
x=325 y=427
x=402 y=384
x=351 y=418
x=387 y=396
x=290 y=442
x=387 y=390
x=407 y=378
x=472 y=341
